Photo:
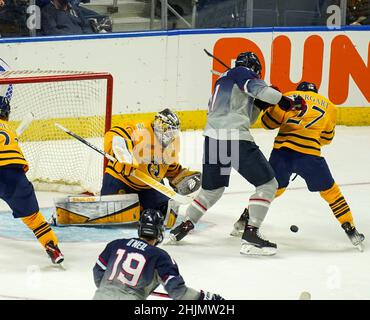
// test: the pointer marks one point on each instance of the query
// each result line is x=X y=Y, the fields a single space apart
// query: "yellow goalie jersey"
x=152 y=159
x=10 y=152
x=305 y=131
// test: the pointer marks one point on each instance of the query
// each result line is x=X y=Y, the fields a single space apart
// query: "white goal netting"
x=81 y=102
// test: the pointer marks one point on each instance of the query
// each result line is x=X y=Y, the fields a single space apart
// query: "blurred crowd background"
x=25 y=18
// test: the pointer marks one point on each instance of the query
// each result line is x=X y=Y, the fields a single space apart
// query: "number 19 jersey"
x=130 y=269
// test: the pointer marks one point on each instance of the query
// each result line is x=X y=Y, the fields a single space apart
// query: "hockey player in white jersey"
x=238 y=97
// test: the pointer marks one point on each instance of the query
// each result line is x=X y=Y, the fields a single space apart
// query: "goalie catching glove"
x=186 y=182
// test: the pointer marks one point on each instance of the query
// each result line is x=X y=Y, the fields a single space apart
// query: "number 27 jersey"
x=304 y=131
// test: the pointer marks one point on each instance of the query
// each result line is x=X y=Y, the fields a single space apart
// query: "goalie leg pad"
x=171 y=214
x=103 y=210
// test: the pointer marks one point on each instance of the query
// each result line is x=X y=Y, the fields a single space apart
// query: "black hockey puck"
x=293 y=228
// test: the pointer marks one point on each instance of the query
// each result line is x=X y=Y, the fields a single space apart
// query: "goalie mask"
x=151 y=225
x=166 y=126
x=4 y=108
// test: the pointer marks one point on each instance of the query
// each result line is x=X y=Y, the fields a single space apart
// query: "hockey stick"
x=25 y=123
x=217 y=59
x=216 y=73
x=137 y=173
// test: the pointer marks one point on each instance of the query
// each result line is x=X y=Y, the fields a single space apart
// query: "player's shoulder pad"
x=163 y=254
x=243 y=72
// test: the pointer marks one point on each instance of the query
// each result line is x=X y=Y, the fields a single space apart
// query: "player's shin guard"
x=338 y=204
x=259 y=202
x=252 y=242
x=342 y=212
x=202 y=202
x=40 y=228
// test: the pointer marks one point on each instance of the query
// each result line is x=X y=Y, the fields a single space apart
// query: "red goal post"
x=80 y=101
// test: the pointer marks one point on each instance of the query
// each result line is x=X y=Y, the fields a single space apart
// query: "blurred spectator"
x=219 y=13
x=358 y=12
x=60 y=17
x=13 y=18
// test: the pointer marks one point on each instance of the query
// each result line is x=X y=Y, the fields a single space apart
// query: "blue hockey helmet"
x=4 y=108
x=151 y=225
x=307 y=86
x=250 y=61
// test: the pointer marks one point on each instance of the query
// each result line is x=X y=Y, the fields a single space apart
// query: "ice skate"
x=353 y=235
x=239 y=225
x=181 y=231
x=54 y=253
x=253 y=244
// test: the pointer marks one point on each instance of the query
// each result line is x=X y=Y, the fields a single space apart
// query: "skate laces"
x=261 y=236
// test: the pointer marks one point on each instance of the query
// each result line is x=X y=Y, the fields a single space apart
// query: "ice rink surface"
x=318 y=258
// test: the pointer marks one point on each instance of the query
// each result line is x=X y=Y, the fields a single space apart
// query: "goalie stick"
x=137 y=173
x=25 y=123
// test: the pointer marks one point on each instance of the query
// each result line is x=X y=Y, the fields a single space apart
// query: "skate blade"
x=251 y=250
x=236 y=233
x=360 y=247
x=171 y=240
x=61 y=266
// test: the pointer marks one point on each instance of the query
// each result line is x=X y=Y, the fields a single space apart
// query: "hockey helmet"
x=250 y=61
x=307 y=86
x=4 y=108
x=151 y=225
x=166 y=126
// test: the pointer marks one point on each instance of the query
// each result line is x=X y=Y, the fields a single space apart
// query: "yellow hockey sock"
x=279 y=192
x=40 y=228
x=338 y=204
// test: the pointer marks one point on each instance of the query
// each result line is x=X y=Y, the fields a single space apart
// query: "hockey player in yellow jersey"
x=153 y=146
x=297 y=149
x=17 y=191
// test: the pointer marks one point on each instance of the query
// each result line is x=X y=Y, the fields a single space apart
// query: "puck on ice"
x=293 y=228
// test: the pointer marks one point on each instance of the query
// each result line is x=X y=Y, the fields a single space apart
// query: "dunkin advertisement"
x=155 y=70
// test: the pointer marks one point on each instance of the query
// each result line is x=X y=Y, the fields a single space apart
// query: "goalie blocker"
x=104 y=210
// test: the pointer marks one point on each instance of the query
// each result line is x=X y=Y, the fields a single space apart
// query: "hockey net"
x=81 y=102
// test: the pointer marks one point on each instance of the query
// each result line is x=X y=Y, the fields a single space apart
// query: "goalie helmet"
x=166 y=126
x=4 y=108
x=250 y=61
x=307 y=86
x=151 y=225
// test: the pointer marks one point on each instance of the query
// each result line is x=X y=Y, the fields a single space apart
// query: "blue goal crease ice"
x=15 y=229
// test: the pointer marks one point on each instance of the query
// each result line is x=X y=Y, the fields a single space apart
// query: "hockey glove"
x=295 y=102
x=262 y=105
x=186 y=182
x=206 y=295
